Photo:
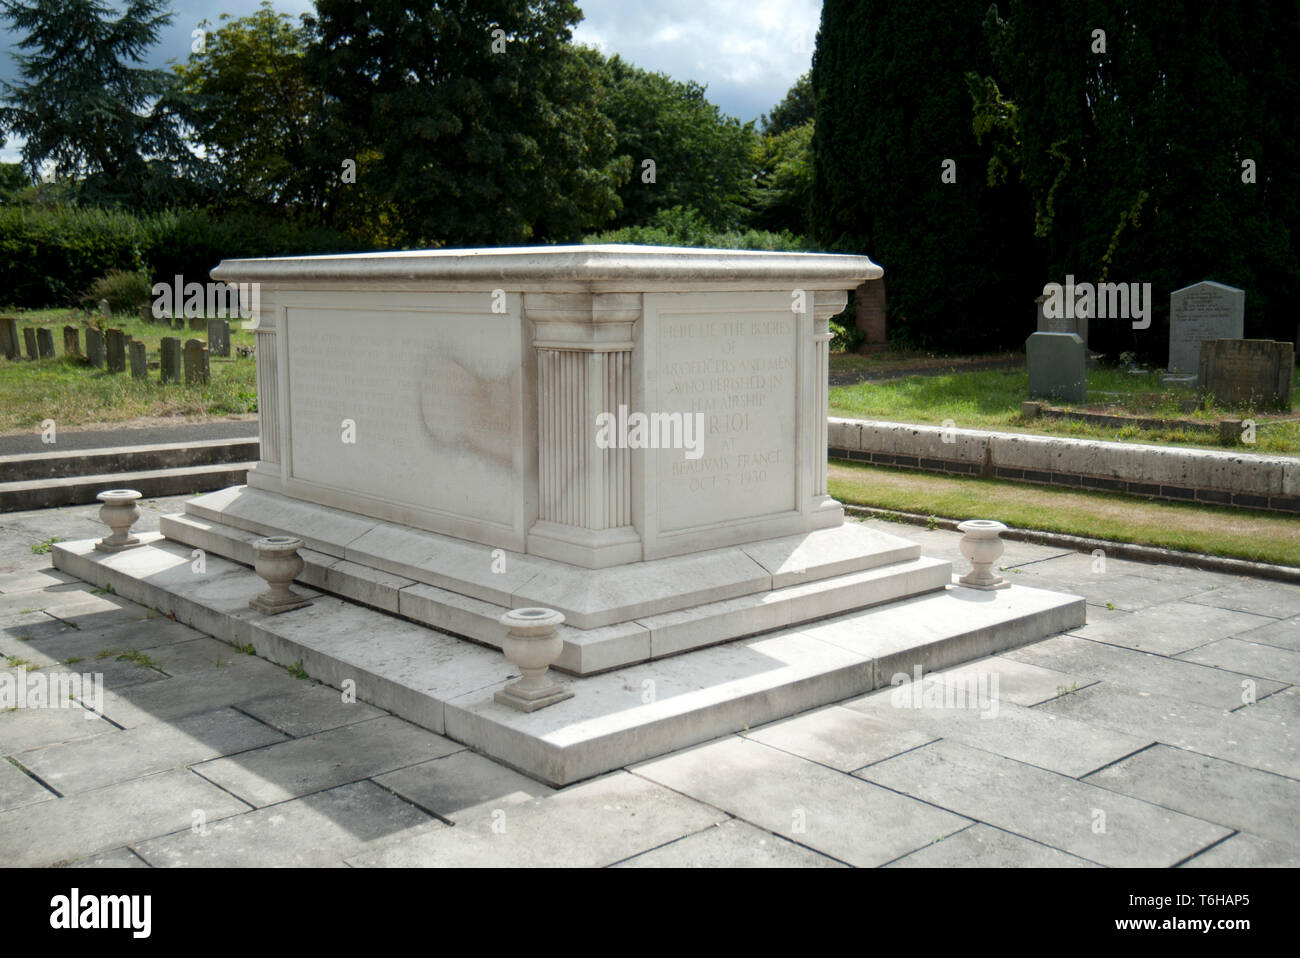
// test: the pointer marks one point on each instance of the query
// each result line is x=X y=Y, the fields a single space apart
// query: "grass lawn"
x=1210 y=530
x=76 y=394
x=990 y=399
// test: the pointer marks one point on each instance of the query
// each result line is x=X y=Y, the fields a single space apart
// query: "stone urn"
x=119 y=512
x=531 y=644
x=277 y=561
x=982 y=544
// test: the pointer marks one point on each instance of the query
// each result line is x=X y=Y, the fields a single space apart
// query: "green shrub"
x=124 y=291
x=683 y=226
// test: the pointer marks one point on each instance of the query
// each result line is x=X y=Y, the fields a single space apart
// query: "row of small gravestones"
x=112 y=350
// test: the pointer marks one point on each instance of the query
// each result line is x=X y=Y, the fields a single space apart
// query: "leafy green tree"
x=83 y=106
x=12 y=180
x=701 y=158
x=256 y=114
x=784 y=180
x=1131 y=146
x=471 y=122
x=795 y=109
x=898 y=173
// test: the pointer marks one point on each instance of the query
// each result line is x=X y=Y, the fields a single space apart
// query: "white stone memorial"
x=632 y=438
x=1197 y=314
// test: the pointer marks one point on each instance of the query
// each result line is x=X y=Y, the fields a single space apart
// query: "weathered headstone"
x=198 y=323
x=71 y=341
x=1247 y=372
x=218 y=337
x=45 y=342
x=1058 y=366
x=170 y=363
x=139 y=359
x=9 y=337
x=1201 y=312
x=29 y=341
x=1062 y=324
x=196 y=362
x=115 y=346
x=95 y=346
x=147 y=316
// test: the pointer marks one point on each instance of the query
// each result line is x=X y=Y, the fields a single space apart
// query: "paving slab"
x=1259 y=596
x=307 y=708
x=732 y=844
x=335 y=757
x=1046 y=807
x=982 y=846
x=1054 y=742
x=1247 y=851
x=59 y=641
x=1125 y=585
x=18 y=788
x=34 y=579
x=1163 y=629
x=1280 y=706
x=31 y=727
x=1143 y=671
x=838 y=737
x=1253 y=736
x=189 y=694
x=815 y=806
x=1281 y=633
x=106 y=818
x=120 y=756
x=307 y=832
x=463 y=786
x=1241 y=798
x=116 y=858
x=1249 y=658
x=1018 y=682
x=589 y=825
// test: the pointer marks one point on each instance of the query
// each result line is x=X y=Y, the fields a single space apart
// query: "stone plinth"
x=462 y=392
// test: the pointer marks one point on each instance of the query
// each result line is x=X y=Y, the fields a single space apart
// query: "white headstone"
x=1198 y=313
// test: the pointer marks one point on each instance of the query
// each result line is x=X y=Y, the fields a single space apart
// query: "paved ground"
x=1164 y=732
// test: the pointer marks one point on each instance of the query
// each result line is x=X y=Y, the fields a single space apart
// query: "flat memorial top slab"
x=614 y=267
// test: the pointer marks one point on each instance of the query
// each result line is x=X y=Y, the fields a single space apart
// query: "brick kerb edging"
x=1170 y=473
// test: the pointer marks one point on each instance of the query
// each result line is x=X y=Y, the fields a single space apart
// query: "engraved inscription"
x=739 y=372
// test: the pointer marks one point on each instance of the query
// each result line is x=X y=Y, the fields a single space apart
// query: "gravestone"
x=95 y=346
x=147 y=316
x=45 y=342
x=1062 y=324
x=29 y=341
x=218 y=337
x=198 y=323
x=9 y=338
x=1247 y=372
x=71 y=341
x=1201 y=312
x=139 y=359
x=1058 y=366
x=196 y=362
x=115 y=347
x=170 y=362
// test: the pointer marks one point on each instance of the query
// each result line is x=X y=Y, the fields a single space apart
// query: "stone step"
x=69 y=463
x=446 y=684
x=636 y=639
x=81 y=489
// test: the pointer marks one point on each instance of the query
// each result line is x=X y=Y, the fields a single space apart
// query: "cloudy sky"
x=747 y=52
